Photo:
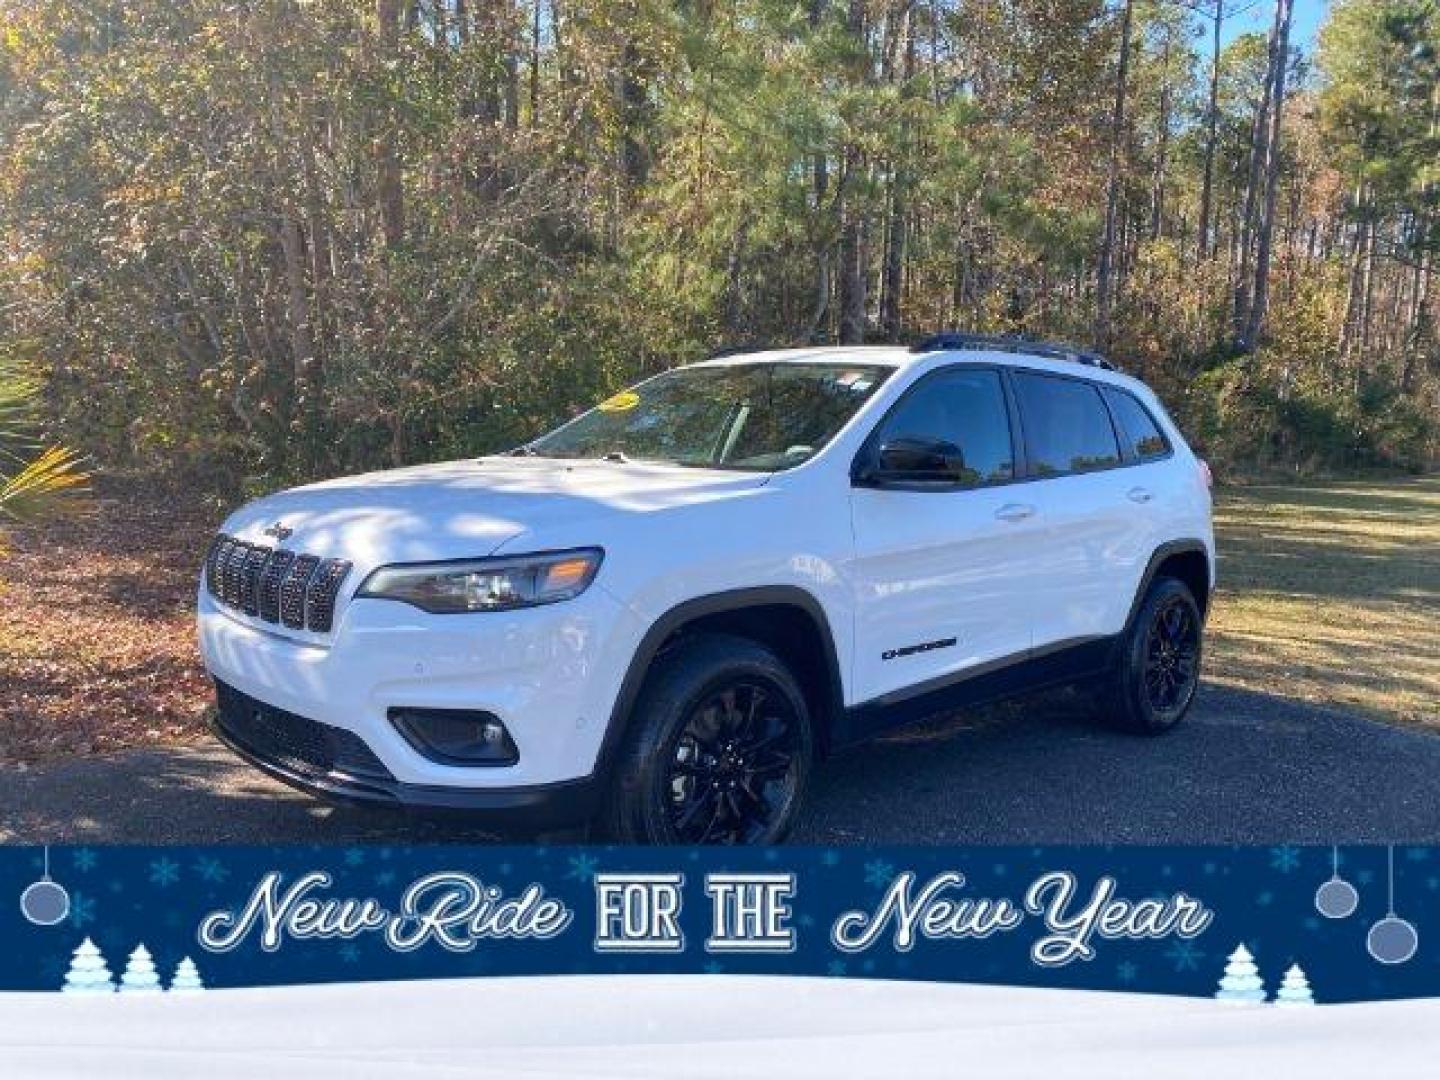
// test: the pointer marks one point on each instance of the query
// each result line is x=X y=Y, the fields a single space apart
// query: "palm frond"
x=49 y=484
x=19 y=389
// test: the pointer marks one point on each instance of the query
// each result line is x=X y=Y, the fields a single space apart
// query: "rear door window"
x=1067 y=427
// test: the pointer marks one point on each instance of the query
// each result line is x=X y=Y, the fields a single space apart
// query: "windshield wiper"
x=615 y=455
x=524 y=451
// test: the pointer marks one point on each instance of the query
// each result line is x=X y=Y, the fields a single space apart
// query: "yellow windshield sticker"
x=626 y=399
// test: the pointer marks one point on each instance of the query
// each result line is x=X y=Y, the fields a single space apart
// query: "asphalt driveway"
x=1244 y=768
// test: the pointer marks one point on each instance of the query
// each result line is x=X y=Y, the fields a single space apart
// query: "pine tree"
x=187 y=978
x=1294 y=988
x=1242 y=980
x=88 y=972
x=140 y=976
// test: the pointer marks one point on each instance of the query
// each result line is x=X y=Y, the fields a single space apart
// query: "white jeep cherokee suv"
x=657 y=616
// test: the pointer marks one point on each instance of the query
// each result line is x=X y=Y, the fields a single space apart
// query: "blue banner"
x=1337 y=924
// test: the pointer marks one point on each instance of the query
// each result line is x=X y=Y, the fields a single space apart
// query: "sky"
x=1309 y=14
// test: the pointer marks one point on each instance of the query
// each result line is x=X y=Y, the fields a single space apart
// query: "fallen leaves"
x=97 y=642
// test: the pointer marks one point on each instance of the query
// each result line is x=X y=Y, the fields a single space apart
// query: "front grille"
x=293 y=589
x=230 y=573
x=320 y=594
x=250 y=569
x=269 y=587
x=277 y=586
x=293 y=742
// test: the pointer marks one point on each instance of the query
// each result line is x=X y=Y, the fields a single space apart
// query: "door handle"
x=1139 y=495
x=1015 y=512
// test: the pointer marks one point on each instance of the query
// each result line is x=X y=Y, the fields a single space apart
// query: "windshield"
x=737 y=416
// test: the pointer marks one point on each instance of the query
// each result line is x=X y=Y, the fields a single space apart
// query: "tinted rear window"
x=1067 y=427
x=1141 y=431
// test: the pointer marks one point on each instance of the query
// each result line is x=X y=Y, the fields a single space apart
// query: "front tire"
x=1158 y=670
x=718 y=751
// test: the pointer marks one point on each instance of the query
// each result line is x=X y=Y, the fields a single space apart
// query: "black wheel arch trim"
x=688 y=611
x=1187 y=546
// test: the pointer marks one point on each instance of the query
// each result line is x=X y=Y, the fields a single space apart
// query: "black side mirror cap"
x=915 y=461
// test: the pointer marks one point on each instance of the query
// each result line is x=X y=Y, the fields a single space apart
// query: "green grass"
x=1330 y=592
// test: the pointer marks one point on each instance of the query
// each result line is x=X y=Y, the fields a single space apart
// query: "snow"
x=717 y=1026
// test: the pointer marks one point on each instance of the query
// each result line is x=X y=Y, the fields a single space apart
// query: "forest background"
x=248 y=243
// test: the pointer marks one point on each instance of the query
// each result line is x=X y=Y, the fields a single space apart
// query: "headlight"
x=499 y=584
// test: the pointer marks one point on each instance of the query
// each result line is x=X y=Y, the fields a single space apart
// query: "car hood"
x=467 y=509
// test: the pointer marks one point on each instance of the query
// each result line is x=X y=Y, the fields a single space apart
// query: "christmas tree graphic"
x=1242 y=980
x=1294 y=988
x=140 y=976
x=88 y=973
x=187 y=978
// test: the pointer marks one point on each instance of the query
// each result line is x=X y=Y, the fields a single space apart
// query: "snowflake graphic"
x=878 y=873
x=82 y=909
x=84 y=859
x=835 y=968
x=1127 y=972
x=1265 y=899
x=354 y=856
x=1285 y=859
x=830 y=858
x=582 y=867
x=714 y=967
x=1185 y=956
x=164 y=872
x=349 y=953
x=385 y=878
x=211 y=870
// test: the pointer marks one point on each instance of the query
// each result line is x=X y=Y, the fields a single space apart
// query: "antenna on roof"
x=962 y=340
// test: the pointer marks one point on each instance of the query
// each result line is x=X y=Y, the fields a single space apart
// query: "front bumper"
x=551 y=674
x=558 y=805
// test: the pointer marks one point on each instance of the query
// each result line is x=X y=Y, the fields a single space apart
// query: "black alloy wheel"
x=718 y=748
x=1157 y=669
x=1172 y=656
x=734 y=765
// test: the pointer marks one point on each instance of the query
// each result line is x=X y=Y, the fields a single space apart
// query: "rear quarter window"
x=1137 y=426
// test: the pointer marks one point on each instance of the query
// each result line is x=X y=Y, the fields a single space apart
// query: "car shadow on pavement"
x=1243 y=768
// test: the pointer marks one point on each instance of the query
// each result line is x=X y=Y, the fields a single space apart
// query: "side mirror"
x=916 y=461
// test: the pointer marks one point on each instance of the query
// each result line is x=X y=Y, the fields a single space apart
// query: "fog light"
x=456 y=736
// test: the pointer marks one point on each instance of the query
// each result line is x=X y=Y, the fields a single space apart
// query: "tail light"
x=1205 y=474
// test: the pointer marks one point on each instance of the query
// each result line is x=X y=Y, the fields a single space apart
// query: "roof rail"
x=737 y=350
x=1014 y=343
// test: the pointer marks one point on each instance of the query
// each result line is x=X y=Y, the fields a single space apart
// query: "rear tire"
x=718 y=749
x=1158 y=669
